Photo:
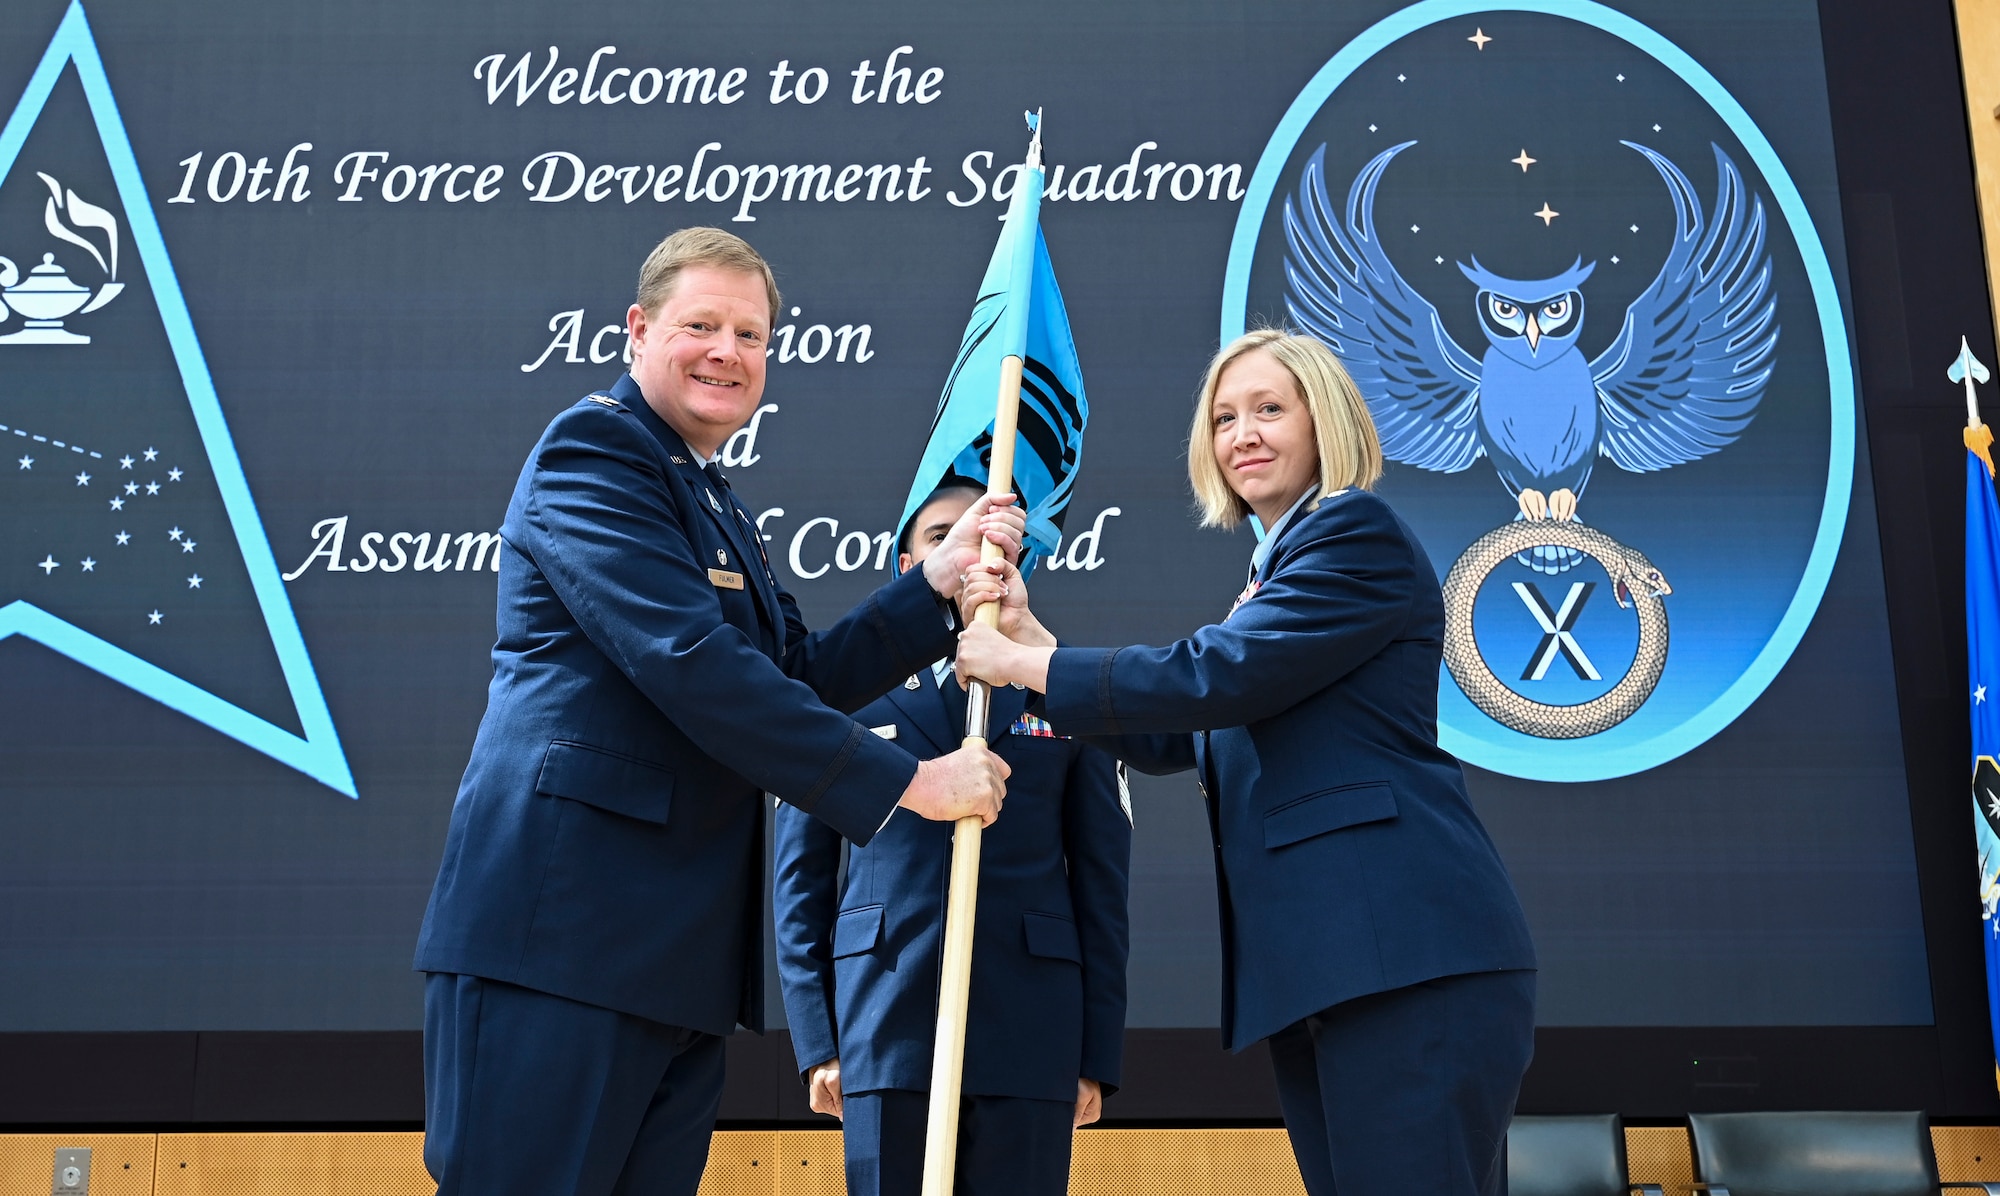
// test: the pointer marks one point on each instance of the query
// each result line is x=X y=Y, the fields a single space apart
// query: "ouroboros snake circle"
x=1635 y=582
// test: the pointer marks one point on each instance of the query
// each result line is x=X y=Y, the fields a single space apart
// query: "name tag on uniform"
x=886 y=731
x=725 y=580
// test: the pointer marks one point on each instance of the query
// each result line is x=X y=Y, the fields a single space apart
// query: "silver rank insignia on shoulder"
x=721 y=557
x=604 y=400
x=713 y=503
x=678 y=460
x=913 y=683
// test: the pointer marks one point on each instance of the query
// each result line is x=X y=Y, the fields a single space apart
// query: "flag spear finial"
x=1035 y=141
x=1967 y=369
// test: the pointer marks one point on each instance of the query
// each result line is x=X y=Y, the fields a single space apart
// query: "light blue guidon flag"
x=1019 y=312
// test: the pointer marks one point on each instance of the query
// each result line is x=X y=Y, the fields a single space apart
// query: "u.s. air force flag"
x=1019 y=313
x=1982 y=634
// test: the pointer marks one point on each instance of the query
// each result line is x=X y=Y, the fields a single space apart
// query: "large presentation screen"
x=290 y=290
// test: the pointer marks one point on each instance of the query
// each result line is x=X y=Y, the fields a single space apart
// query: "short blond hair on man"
x=1350 y=454
x=713 y=247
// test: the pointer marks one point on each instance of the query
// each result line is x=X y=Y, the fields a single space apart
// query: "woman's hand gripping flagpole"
x=961 y=906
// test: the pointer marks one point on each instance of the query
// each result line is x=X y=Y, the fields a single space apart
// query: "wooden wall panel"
x=1979 y=52
x=742 y=1163
x=1106 y=1162
x=1967 y=1153
x=120 y=1164
x=1659 y=1155
x=1177 y=1162
x=311 y=1164
x=774 y=1163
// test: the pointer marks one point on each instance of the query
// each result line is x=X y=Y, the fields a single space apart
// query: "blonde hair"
x=1350 y=454
x=712 y=247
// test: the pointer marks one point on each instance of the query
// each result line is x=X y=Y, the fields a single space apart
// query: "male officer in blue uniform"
x=859 y=960
x=594 y=930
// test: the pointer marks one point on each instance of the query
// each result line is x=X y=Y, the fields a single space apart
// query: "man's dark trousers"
x=654 y=1089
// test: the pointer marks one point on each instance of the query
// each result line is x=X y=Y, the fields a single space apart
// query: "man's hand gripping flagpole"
x=955 y=984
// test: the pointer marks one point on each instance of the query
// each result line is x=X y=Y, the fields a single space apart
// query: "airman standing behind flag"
x=859 y=946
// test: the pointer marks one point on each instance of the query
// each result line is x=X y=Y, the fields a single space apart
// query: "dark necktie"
x=954 y=702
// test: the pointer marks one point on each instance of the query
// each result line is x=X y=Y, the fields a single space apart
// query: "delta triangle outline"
x=318 y=754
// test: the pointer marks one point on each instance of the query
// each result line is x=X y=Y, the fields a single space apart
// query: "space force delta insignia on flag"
x=129 y=541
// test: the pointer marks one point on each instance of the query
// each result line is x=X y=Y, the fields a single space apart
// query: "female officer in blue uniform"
x=858 y=957
x=1370 y=931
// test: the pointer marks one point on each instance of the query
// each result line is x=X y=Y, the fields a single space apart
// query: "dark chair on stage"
x=1570 y=1156
x=1824 y=1154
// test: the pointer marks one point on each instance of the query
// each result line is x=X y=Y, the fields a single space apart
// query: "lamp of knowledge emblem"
x=1525 y=293
x=45 y=295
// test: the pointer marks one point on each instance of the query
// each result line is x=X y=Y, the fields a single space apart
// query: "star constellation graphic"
x=78 y=537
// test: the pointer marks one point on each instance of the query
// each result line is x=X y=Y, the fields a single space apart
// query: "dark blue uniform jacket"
x=1349 y=858
x=859 y=957
x=607 y=840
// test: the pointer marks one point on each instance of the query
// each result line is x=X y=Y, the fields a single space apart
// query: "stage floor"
x=766 y=1162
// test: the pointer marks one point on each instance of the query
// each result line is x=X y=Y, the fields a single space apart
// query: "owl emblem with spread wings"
x=1681 y=380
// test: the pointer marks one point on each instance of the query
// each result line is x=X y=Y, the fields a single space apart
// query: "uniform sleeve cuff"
x=1079 y=691
x=861 y=796
x=920 y=624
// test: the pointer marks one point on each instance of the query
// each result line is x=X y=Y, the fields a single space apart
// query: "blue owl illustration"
x=1681 y=380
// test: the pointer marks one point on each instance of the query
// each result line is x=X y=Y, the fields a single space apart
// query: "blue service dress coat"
x=1349 y=858
x=650 y=682
x=859 y=958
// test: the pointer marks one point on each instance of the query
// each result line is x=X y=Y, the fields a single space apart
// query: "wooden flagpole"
x=961 y=906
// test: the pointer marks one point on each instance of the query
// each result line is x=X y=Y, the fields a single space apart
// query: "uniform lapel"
x=755 y=566
x=1271 y=559
x=926 y=710
x=717 y=505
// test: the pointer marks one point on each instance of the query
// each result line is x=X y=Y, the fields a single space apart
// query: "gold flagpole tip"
x=1979 y=441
